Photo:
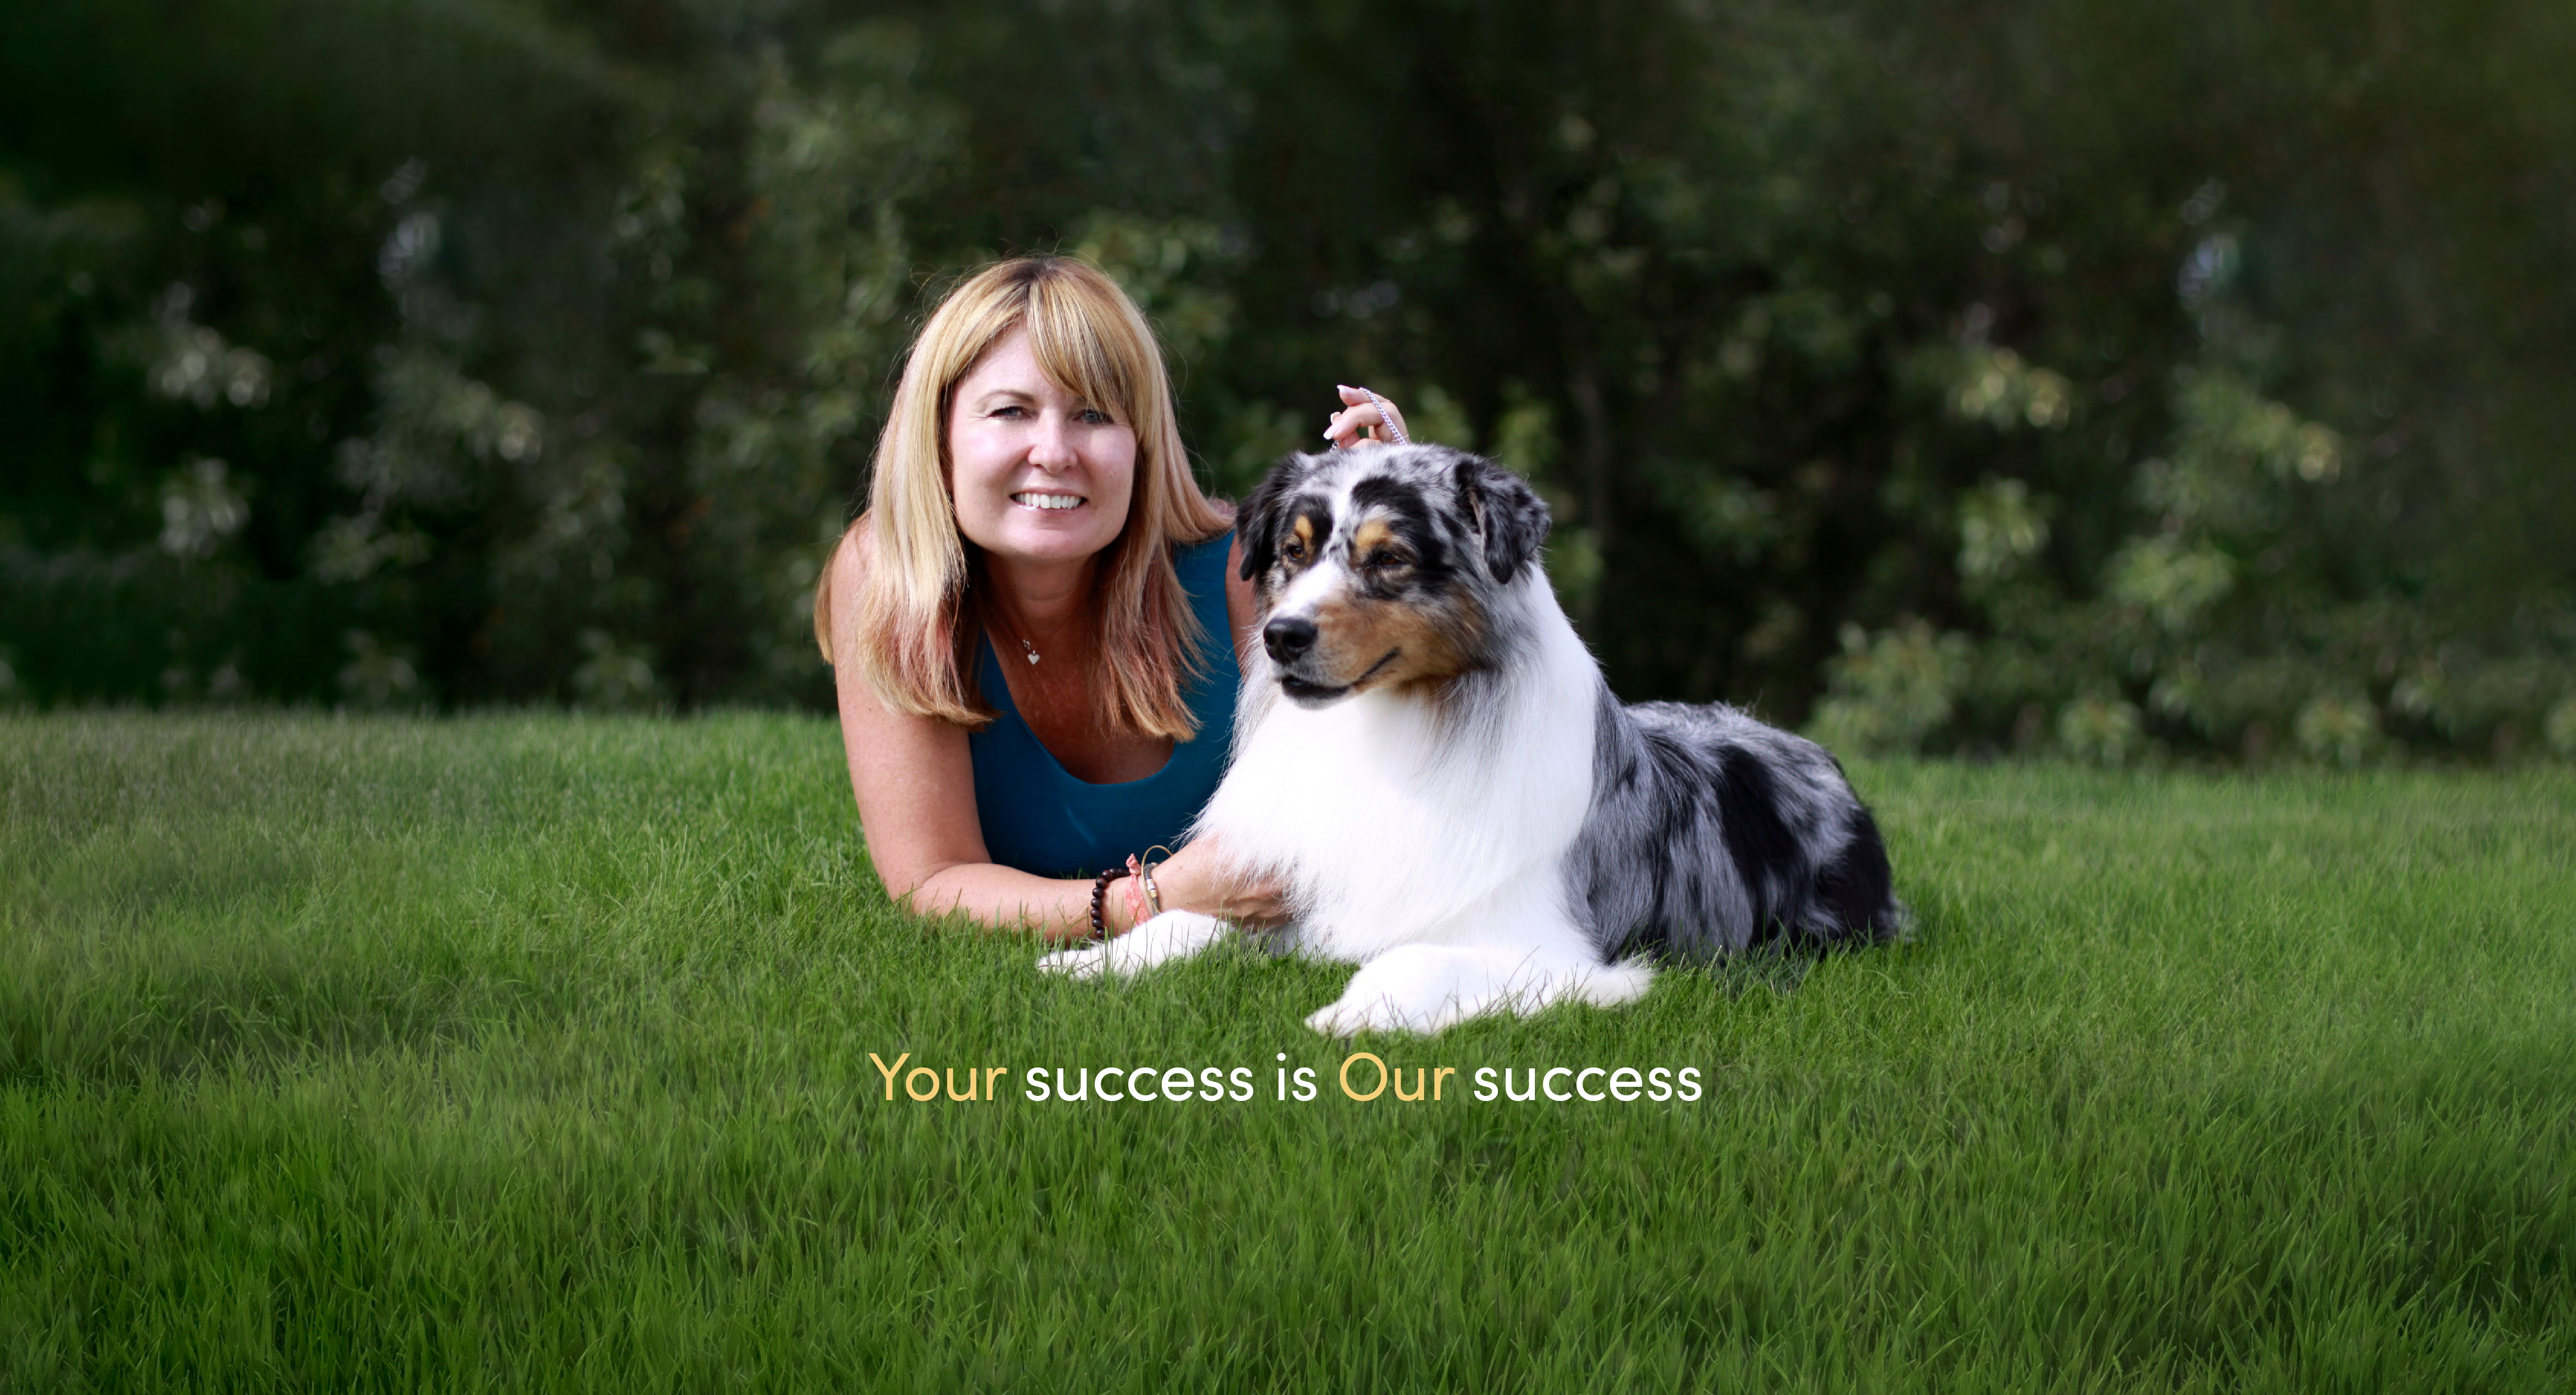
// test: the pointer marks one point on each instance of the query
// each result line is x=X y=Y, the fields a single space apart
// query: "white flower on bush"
x=192 y=361
x=1998 y=527
x=2172 y=580
x=1996 y=387
x=198 y=511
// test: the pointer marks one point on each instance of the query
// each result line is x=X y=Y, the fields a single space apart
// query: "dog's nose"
x=1288 y=636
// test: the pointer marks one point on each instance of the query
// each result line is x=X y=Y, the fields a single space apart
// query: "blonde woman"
x=1036 y=626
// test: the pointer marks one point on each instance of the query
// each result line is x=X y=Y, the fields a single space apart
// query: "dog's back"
x=1710 y=832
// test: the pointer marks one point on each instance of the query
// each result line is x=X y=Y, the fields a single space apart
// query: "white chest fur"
x=1426 y=844
x=1398 y=821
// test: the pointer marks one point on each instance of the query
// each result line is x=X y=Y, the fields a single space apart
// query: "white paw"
x=1615 y=985
x=1349 y=1017
x=1090 y=961
x=1171 y=935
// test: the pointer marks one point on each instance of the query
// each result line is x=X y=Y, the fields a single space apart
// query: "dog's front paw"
x=1335 y=1020
x=1169 y=936
x=1349 y=1017
x=1090 y=961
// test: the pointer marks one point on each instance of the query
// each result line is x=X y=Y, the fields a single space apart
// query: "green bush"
x=2189 y=382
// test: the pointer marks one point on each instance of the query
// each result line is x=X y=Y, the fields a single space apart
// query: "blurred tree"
x=2040 y=377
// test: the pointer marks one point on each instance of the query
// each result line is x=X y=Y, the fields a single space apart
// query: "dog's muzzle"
x=1288 y=638
x=1291 y=642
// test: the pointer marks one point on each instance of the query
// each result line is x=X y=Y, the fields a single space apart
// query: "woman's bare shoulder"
x=856 y=549
x=836 y=592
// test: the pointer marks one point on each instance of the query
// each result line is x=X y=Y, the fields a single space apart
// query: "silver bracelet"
x=1386 y=416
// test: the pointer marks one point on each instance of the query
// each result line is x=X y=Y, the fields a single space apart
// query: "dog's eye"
x=1293 y=550
x=1387 y=557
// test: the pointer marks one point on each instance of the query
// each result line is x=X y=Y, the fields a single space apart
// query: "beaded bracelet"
x=1099 y=890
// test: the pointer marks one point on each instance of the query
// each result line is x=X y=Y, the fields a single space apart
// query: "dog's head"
x=1384 y=566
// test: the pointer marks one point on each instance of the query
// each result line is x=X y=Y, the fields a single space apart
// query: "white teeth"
x=1047 y=501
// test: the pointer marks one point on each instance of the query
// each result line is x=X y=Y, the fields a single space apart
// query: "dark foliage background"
x=2127 y=381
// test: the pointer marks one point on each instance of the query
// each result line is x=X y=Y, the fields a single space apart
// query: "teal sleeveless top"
x=1038 y=818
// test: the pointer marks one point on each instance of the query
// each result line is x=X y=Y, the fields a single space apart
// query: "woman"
x=1036 y=625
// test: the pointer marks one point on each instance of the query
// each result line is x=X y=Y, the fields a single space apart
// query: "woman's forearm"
x=1006 y=898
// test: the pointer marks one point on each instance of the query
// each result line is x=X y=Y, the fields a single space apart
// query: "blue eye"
x=1093 y=416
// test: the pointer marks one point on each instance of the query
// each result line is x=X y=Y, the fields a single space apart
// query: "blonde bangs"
x=1092 y=351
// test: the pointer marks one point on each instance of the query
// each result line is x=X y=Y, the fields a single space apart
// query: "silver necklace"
x=1030 y=650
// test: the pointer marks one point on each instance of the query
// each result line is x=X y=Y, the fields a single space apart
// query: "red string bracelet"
x=1136 y=912
x=1144 y=899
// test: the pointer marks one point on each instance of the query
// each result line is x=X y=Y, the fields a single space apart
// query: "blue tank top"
x=1037 y=817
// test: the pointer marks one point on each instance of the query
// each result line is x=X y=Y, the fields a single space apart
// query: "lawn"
x=536 y=1052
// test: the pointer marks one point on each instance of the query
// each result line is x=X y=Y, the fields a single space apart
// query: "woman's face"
x=1038 y=475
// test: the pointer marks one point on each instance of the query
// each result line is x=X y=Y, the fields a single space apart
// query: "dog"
x=1427 y=757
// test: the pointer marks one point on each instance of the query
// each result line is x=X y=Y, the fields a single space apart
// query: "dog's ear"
x=1256 y=519
x=1510 y=517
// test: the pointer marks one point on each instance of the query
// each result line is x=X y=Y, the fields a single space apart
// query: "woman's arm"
x=915 y=784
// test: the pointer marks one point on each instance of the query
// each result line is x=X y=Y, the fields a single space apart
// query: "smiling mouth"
x=1047 y=503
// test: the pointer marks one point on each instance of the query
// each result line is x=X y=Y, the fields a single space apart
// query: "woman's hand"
x=1199 y=878
x=1360 y=410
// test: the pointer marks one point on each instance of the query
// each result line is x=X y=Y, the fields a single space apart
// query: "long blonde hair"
x=917 y=621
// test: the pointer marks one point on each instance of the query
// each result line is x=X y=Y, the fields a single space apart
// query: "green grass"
x=534 y=1052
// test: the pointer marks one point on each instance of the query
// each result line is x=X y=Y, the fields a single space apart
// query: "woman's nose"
x=1052 y=448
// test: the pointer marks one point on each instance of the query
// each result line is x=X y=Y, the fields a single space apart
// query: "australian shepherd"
x=1427 y=757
